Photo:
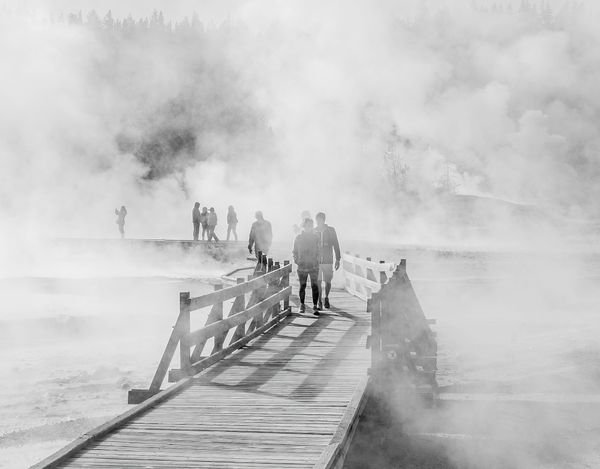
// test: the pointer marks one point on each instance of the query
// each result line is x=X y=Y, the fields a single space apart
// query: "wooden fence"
x=363 y=277
x=403 y=346
x=268 y=290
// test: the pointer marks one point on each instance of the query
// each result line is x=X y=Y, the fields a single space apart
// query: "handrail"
x=363 y=277
x=231 y=277
x=381 y=266
x=237 y=290
x=403 y=346
x=269 y=302
x=224 y=325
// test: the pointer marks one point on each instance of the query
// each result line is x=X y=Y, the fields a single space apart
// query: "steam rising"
x=378 y=111
x=407 y=122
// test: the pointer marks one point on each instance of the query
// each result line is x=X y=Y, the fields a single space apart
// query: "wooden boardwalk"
x=289 y=399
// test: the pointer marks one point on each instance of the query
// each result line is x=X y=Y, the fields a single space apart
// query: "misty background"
x=409 y=121
x=459 y=128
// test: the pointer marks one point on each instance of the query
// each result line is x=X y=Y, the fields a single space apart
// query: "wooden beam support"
x=209 y=361
x=184 y=328
x=237 y=319
x=237 y=290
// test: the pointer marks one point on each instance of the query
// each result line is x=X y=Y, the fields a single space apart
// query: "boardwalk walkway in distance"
x=289 y=399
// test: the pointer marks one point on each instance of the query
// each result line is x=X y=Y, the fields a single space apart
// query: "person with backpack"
x=232 y=222
x=261 y=235
x=204 y=222
x=212 y=224
x=328 y=245
x=306 y=256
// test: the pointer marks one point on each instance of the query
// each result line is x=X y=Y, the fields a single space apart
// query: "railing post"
x=285 y=284
x=264 y=264
x=217 y=315
x=262 y=292
x=184 y=330
x=238 y=306
x=271 y=288
x=358 y=286
x=382 y=275
x=254 y=298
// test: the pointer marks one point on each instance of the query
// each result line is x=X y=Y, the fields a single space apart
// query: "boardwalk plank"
x=285 y=400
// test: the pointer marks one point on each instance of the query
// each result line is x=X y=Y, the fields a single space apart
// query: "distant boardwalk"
x=185 y=243
x=214 y=248
x=287 y=400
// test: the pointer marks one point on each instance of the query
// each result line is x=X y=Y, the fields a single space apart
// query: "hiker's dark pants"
x=196 y=230
x=303 y=277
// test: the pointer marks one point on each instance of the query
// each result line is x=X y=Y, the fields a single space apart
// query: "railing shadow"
x=318 y=374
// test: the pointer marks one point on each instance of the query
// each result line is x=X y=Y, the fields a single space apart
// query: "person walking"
x=261 y=235
x=196 y=220
x=232 y=222
x=212 y=224
x=303 y=216
x=328 y=245
x=306 y=256
x=121 y=214
x=204 y=222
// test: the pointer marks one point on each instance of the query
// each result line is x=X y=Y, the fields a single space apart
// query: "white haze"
x=504 y=103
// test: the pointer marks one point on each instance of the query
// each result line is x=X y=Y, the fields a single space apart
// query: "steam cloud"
x=361 y=109
x=386 y=115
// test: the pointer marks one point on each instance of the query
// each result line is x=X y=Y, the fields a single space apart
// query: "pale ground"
x=510 y=326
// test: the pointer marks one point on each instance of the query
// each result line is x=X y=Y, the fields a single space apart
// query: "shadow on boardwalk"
x=314 y=333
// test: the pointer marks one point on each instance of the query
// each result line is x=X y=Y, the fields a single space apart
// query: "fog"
x=381 y=115
x=469 y=131
x=517 y=365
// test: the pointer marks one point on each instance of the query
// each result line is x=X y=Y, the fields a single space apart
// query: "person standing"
x=328 y=245
x=232 y=222
x=196 y=220
x=121 y=214
x=261 y=235
x=303 y=216
x=306 y=256
x=212 y=224
x=204 y=222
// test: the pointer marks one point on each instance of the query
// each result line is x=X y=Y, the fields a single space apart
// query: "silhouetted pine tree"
x=108 y=22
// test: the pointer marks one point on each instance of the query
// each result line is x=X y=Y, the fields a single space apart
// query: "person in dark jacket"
x=306 y=256
x=328 y=245
x=121 y=214
x=232 y=222
x=261 y=235
x=204 y=222
x=196 y=220
x=212 y=224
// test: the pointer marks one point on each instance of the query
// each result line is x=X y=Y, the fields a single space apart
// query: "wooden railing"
x=269 y=294
x=403 y=346
x=363 y=277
